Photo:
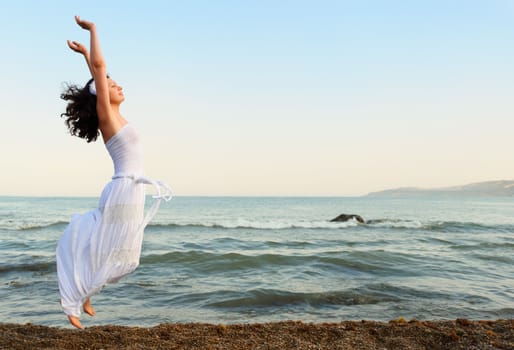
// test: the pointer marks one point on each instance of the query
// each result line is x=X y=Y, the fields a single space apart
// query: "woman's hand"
x=84 y=24
x=78 y=47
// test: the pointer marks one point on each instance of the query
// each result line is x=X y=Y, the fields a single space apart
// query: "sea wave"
x=38 y=266
x=13 y=225
x=386 y=223
x=355 y=262
x=272 y=298
x=373 y=293
x=458 y=226
x=437 y=226
x=259 y=225
x=484 y=246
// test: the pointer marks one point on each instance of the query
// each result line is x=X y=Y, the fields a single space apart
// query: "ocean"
x=260 y=259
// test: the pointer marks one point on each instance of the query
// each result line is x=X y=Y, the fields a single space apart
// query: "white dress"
x=103 y=245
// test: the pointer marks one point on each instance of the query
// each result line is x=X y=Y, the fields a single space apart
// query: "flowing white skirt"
x=103 y=245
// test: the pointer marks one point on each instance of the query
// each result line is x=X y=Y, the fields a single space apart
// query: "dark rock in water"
x=346 y=217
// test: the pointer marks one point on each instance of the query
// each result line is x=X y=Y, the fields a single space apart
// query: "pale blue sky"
x=267 y=97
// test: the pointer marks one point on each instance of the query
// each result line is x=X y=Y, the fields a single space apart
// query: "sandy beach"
x=397 y=334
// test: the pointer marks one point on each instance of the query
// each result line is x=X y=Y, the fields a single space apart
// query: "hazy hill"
x=503 y=188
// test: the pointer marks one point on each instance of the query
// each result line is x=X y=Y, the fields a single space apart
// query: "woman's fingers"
x=72 y=45
x=83 y=24
x=76 y=46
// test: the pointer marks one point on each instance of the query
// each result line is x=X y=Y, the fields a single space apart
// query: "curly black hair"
x=81 y=116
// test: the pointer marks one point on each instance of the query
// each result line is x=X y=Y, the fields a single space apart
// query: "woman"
x=103 y=245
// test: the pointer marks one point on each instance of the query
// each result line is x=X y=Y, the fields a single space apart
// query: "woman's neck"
x=116 y=109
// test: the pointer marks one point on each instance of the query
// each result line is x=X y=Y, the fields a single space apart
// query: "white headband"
x=92 y=88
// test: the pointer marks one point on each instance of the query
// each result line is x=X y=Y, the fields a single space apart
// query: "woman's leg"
x=75 y=321
x=88 y=309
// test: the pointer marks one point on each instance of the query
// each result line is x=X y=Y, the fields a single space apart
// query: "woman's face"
x=115 y=92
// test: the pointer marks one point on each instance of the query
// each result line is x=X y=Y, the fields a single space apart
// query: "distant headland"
x=501 y=188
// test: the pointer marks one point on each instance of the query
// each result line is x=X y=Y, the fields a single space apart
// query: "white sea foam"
x=265 y=224
x=412 y=224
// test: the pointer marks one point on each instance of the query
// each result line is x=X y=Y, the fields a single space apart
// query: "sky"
x=266 y=98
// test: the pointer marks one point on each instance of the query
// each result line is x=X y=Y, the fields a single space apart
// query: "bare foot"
x=88 y=309
x=75 y=321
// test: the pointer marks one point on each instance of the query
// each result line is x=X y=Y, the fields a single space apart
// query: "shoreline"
x=395 y=334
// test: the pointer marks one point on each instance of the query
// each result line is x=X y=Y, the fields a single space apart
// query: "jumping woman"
x=103 y=245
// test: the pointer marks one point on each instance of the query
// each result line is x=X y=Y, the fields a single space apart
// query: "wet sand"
x=397 y=334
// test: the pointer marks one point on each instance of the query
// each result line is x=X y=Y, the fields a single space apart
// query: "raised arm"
x=78 y=47
x=99 y=71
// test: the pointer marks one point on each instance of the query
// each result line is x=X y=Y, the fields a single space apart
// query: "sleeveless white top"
x=126 y=151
